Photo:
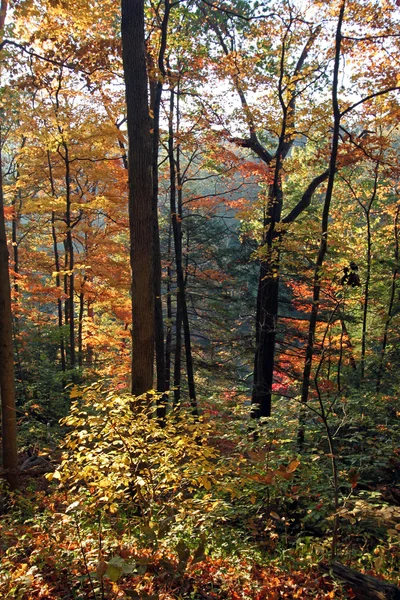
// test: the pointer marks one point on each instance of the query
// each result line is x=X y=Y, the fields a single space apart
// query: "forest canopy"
x=199 y=299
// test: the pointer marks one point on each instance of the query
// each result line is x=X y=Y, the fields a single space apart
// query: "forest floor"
x=48 y=553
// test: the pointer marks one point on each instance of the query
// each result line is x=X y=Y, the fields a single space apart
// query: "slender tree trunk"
x=15 y=248
x=391 y=301
x=80 y=322
x=168 y=339
x=176 y=216
x=324 y=231
x=89 y=345
x=141 y=214
x=155 y=101
x=348 y=344
x=7 y=382
x=70 y=258
x=57 y=266
x=178 y=350
x=367 y=213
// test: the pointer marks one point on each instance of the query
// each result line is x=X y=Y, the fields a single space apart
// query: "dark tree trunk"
x=323 y=247
x=178 y=351
x=176 y=217
x=391 y=301
x=141 y=214
x=89 y=345
x=266 y=327
x=168 y=339
x=156 y=88
x=7 y=382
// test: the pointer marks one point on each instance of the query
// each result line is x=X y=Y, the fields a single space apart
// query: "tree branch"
x=375 y=95
x=253 y=143
x=306 y=198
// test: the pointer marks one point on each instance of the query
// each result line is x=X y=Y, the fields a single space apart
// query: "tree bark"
x=323 y=247
x=156 y=88
x=367 y=212
x=391 y=301
x=57 y=266
x=141 y=219
x=7 y=382
x=168 y=338
x=182 y=312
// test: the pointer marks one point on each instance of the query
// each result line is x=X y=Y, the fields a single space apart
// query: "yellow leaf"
x=205 y=482
x=75 y=392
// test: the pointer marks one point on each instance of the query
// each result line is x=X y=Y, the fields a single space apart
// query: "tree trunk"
x=367 y=213
x=7 y=383
x=391 y=301
x=176 y=217
x=69 y=248
x=141 y=219
x=168 y=339
x=323 y=247
x=57 y=266
x=266 y=325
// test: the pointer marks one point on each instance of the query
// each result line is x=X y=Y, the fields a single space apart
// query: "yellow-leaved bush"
x=118 y=454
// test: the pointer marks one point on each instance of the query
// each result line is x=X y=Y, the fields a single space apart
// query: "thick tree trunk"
x=7 y=383
x=266 y=326
x=267 y=297
x=141 y=212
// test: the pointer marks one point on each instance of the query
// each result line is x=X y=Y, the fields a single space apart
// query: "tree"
x=7 y=383
x=141 y=212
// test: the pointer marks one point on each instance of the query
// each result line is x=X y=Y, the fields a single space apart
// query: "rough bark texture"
x=140 y=194
x=7 y=383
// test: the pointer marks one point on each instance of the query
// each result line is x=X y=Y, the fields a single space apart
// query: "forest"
x=199 y=299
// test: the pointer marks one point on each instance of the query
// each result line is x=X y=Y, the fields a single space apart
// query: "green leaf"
x=113 y=572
